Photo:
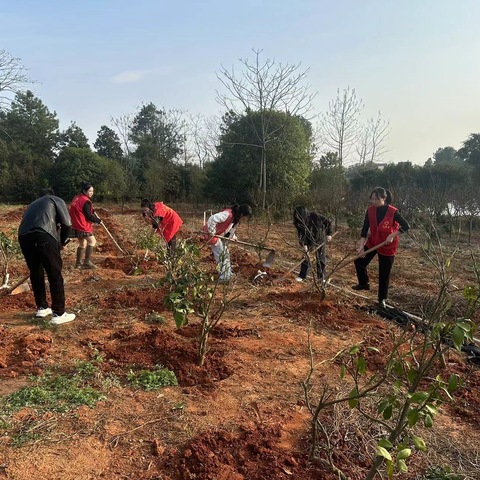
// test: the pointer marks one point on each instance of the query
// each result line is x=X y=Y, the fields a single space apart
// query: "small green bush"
x=439 y=473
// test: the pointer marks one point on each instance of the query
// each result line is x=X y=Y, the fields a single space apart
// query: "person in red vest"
x=83 y=217
x=164 y=220
x=382 y=223
x=224 y=223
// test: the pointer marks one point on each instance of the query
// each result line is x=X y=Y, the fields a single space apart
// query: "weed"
x=154 y=317
x=439 y=473
x=55 y=392
x=152 y=379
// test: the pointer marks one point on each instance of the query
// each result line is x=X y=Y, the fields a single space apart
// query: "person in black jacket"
x=313 y=230
x=42 y=233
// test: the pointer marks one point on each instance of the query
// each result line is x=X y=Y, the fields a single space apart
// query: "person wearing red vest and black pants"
x=83 y=217
x=382 y=223
x=164 y=220
x=224 y=223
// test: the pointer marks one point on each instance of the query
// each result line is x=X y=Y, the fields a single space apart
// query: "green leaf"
x=354 y=350
x=431 y=409
x=385 y=444
x=382 y=406
x=457 y=336
x=402 y=466
x=180 y=319
x=387 y=413
x=373 y=349
x=390 y=469
x=383 y=452
x=343 y=369
x=412 y=375
x=452 y=383
x=428 y=421
x=465 y=326
x=362 y=366
x=419 y=397
x=419 y=443
x=405 y=453
x=412 y=416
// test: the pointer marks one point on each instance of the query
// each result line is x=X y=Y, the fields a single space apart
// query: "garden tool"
x=19 y=287
x=111 y=236
x=270 y=257
x=297 y=265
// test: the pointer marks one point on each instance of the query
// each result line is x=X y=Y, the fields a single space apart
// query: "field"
x=242 y=416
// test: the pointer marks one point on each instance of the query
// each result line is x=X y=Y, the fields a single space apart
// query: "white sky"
x=415 y=61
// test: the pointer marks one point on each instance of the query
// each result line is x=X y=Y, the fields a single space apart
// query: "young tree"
x=372 y=138
x=339 y=129
x=263 y=88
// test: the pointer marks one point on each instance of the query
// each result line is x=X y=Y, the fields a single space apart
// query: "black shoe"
x=359 y=286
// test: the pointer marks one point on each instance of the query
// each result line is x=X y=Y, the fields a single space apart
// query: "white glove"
x=234 y=238
x=329 y=238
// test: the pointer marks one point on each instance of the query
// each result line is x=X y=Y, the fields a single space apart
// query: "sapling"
x=405 y=393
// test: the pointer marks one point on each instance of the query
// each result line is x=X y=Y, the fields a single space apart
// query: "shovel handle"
x=298 y=264
x=366 y=252
x=111 y=237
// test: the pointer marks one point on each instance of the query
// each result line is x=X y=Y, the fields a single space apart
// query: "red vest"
x=379 y=233
x=79 y=222
x=220 y=228
x=171 y=222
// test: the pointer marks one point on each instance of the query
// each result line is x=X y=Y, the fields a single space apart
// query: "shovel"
x=111 y=236
x=296 y=266
x=19 y=287
x=270 y=257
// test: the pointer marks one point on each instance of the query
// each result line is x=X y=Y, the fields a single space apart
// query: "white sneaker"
x=64 y=318
x=299 y=279
x=43 y=312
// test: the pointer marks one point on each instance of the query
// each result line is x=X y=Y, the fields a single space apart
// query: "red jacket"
x=170 y=223
x=379 y=233
x=79 y=222
x=220 y=228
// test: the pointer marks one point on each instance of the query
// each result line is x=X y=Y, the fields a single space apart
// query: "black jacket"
x=313 y=231
x=47 y=214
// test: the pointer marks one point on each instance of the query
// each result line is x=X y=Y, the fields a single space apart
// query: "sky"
x=415 y=61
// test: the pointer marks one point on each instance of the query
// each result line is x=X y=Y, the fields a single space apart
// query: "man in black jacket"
x=313 y=230
x=43 y=232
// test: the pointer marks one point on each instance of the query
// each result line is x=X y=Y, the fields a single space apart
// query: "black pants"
x=42 y=254
x=320 y=256
x=385 y=264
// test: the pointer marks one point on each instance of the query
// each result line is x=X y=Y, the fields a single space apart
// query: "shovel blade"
x=270 y=259
x=24 y=287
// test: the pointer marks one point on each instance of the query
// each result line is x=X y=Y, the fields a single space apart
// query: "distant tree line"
x=266 y=150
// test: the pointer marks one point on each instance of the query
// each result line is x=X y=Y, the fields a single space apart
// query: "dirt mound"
x=144 y=299
x=159 y=347
x=253 y=454
x=23 y=355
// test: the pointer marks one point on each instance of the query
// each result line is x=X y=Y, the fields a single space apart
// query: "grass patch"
x=56 y=392
x=152 y=379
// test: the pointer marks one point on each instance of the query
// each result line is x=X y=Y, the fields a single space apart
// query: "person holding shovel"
x=383 y=223
x=224 y=223
x=42 y=233
x=314 y=231
x=83 y=217
x=164 y=220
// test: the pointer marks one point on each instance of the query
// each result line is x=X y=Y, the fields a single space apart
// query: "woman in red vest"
x=224 y=223
x=383 y=223
x=164 y=220
x=83 y=217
